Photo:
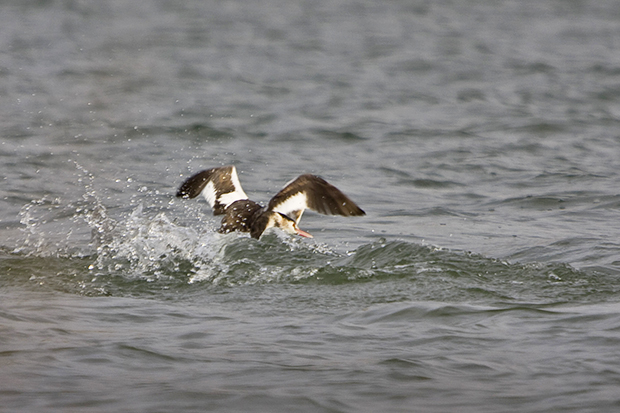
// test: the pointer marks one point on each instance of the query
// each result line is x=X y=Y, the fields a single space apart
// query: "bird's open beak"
x=303 y=233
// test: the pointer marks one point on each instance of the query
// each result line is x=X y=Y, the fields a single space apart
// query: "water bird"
x=222 y=190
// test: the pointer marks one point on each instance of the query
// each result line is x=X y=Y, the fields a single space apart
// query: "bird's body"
x=222 y=190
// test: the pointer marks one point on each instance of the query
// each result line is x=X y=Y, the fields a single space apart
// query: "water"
x=481 y=138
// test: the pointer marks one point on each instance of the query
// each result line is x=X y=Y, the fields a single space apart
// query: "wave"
x=80 y=247
x=148 y=252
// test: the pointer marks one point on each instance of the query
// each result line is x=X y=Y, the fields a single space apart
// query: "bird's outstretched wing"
x=310 y=191
x=219 y=186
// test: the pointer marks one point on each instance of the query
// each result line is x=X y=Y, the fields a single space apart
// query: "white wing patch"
x=210 y=192
x=297 y=202
x=229 y=198
x=238 y=193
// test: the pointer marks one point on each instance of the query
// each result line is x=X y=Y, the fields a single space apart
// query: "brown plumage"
x=222 y=190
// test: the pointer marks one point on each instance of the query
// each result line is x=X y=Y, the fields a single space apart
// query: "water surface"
x=481 y=138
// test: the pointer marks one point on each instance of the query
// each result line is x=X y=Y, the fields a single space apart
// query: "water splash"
x=151 y=247
x=52 y=226
x=92 y=209
x=78 y=246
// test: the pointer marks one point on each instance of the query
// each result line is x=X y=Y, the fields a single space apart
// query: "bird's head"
x=272 y=219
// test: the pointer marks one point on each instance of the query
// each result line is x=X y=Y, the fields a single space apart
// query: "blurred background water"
x=481 y=138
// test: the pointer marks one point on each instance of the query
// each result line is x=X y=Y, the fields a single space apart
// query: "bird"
x=221 y=188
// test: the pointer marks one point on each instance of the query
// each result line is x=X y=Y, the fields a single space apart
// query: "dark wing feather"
x=193 y=186
x=313 y=192
x=224 y=188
